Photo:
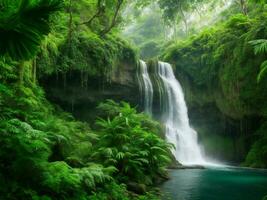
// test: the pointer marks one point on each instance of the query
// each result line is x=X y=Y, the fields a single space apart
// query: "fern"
x=128 y=144
x=95 y=174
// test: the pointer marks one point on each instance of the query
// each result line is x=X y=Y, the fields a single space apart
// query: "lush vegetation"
x=46 y=153
x=222 y=64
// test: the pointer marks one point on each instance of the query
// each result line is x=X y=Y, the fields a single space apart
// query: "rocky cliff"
x=80 y=99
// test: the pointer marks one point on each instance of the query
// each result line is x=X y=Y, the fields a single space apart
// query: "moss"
x=88 y=53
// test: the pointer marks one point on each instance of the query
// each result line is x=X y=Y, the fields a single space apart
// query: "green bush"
x=139 y=154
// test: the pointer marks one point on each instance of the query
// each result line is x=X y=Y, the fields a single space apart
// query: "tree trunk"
x=244 y=7
x=174 y=31
x=100 y=10
x=186 y=26
x=184 y=19
x=198 y=11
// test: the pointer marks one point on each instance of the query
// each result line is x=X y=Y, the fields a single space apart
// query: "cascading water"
x=146 y=87
x=175 y=118
x=174 y=113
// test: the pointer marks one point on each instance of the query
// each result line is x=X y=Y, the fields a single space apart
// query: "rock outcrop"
x=73 y=95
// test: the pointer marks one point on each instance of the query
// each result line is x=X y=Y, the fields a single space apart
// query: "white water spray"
x=178 y=130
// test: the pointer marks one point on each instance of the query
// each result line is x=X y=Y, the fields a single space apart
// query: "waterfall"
x=146 y=87
x=173 y=112
x=175 y=117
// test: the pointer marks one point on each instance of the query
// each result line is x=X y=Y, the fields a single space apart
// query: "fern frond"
x=120 y=155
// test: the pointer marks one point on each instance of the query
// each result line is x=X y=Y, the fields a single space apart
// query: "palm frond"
x=22 y=31
x=260 y=46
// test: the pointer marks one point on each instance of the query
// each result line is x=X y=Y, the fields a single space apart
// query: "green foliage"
x=23 y=25
x=175 y=9
x=87 y=53
x=128 y=144
x=260 y=46
x=263 y=70
x=35 y=140
x=150 y=49
x=116 y=191
x=45 y=151
x=59 y=179
x=258 y=153
x=148 y=196
x=147 y=32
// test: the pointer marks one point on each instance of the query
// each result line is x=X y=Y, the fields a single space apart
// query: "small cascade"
x=173 y=112
x=146 y=87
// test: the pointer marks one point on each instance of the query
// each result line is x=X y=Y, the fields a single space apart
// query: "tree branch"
x=114 y=19
x=100 y=11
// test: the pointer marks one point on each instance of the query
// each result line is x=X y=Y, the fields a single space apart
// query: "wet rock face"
x=81 y=96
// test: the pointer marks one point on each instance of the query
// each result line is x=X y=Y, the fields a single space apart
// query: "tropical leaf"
x=22 y=31
x=263 y=71
x=158 y=149
x=260 y=46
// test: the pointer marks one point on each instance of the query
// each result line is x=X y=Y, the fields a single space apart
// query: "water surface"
x=216 y=184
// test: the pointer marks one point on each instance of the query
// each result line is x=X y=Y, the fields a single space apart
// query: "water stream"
x=174 y=113
x=178 y=131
